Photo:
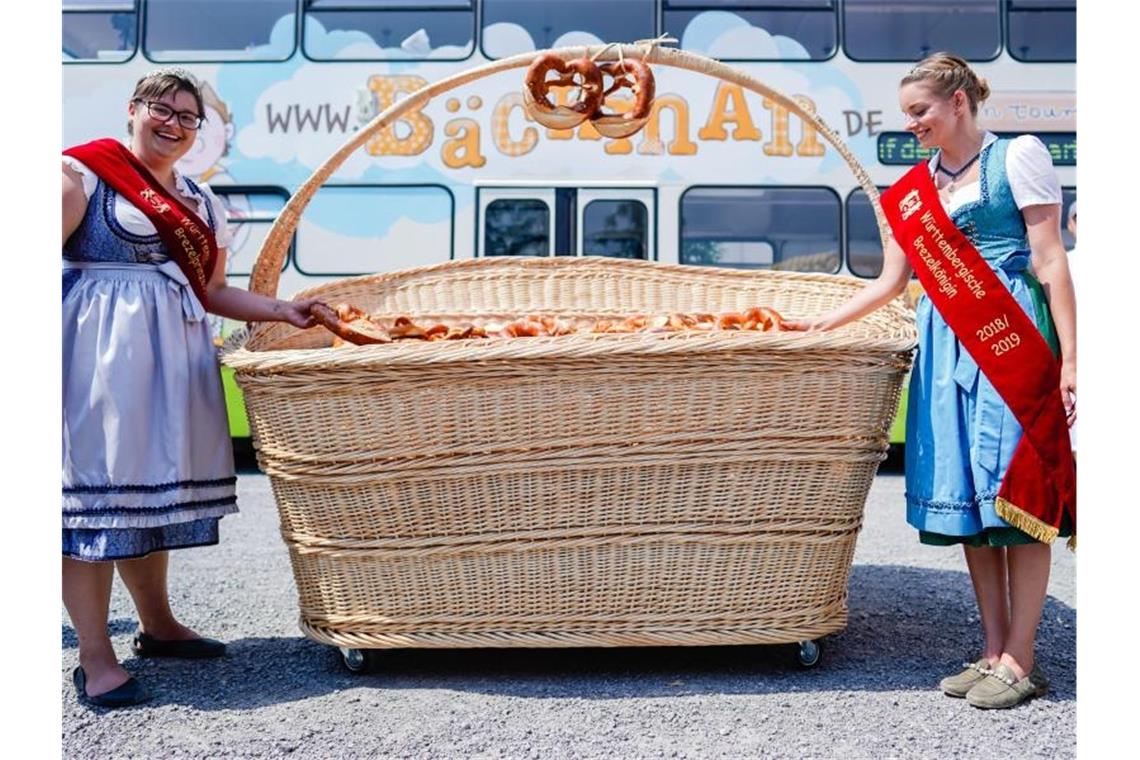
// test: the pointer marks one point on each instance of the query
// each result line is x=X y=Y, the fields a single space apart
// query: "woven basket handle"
x=267 y=269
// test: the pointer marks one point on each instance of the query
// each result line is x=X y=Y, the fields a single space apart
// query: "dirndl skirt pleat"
x=147 y=459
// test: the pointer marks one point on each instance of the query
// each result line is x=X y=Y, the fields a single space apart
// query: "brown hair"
x=161 y=82
x=945 y=73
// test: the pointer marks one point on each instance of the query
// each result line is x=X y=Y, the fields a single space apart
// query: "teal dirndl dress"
x=960 y=434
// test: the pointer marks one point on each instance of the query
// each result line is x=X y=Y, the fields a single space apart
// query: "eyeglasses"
x=162 y=112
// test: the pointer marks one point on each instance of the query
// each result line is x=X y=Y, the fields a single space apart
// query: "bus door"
x=567 y=221
x=619 y=222
x=516 y=221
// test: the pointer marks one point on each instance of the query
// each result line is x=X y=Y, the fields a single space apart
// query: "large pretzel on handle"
x=537 y=88
x=634 y=75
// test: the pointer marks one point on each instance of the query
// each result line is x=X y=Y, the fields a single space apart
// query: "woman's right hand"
x=297 y=313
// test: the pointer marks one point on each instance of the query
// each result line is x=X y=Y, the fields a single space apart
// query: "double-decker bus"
x=719 y=176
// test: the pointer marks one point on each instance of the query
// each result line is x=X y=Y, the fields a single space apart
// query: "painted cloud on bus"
x=720 y=34
x=405 y=243
x=504 y=38
x=354 y=44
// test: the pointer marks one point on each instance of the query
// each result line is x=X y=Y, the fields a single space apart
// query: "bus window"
x=220 y=30
x=517 y=227
x=1068 y=198
x=99 y=31
x=1042 y=30
x=864 y=248
x=790 y=228
x=361 y=229
x=519 y=26
x=909 y=30
x=751 y=30
x=250 y=212
x=377 y=30
x=615 y=228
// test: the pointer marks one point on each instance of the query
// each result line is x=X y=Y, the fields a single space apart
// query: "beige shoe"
x=1002 y=689
x=960 y=685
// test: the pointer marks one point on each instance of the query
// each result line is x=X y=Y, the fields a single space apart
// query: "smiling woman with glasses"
x=162 y=112
x=147 y=460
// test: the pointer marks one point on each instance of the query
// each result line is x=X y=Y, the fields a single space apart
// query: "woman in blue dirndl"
x=147 y=461
x=1004 y=195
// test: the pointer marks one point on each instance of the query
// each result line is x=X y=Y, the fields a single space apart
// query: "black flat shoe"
x=124 y=695
x=145 y=645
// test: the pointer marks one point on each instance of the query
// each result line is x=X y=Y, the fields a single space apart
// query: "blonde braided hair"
x=945 y=73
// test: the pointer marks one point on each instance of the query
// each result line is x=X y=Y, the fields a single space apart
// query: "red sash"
x=1039 y=486
x=189 y=240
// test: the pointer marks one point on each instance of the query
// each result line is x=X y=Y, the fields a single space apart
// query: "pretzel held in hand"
x=349 y=323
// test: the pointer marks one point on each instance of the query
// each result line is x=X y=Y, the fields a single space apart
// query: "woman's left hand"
x=1069 y=391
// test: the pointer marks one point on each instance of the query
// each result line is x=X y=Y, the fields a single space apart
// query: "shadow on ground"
x=908 y=628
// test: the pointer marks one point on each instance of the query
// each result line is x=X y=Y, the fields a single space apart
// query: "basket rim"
x=238 y=355
x=576 y=347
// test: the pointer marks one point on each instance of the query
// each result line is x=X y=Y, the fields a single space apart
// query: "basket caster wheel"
x=355 y=660
x=809 y=654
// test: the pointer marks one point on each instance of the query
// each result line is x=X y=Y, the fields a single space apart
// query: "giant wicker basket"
x=583 y=490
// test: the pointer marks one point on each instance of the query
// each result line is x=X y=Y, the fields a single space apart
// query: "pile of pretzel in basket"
x=353 y=325
x=587 y=97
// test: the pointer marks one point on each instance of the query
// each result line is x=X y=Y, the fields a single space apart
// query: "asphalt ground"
x=277 y=694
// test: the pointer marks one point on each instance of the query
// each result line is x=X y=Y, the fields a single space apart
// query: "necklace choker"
x=960 y=172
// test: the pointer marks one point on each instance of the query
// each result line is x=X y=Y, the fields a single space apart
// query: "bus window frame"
x=1001 y=18
x=137 y=11
x=176 y=61
x=375 y=186
x=476 y=39
x=1006 y=10
x=847 y=231
x=220 y=190
x=841 y=240
x=762 y=5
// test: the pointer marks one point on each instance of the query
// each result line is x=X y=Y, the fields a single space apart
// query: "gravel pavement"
x=277 y=694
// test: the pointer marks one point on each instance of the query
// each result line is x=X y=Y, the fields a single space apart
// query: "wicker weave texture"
x=642 y=489
x=583 y=591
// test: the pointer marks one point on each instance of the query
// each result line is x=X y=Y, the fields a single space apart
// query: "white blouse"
x=1029 y=168
x=136 y=222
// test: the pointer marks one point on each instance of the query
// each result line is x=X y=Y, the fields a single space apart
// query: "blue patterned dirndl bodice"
x=960 y=434
x=147 y=462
